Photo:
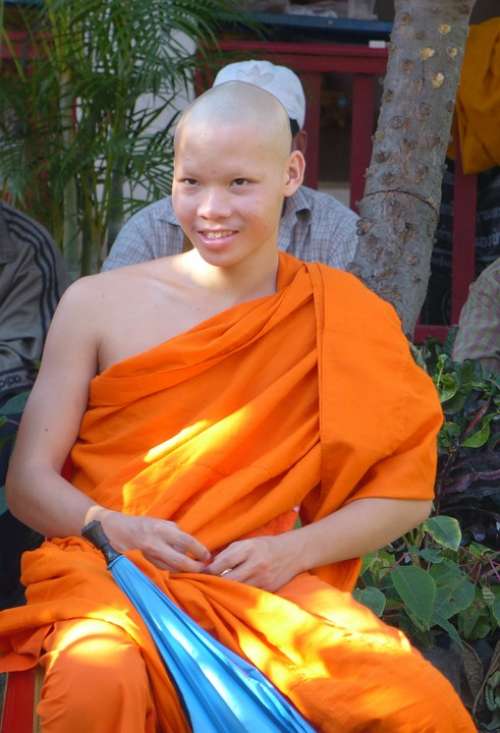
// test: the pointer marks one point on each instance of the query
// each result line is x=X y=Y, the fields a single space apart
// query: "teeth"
x=217 y=235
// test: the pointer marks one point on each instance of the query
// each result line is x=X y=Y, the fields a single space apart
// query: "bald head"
x=238 y=104
x=233 y=167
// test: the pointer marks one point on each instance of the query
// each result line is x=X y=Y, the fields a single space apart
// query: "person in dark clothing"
x=32 y=279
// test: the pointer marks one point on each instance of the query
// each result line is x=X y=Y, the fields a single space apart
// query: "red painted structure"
x=18 y=713
x=366 y=65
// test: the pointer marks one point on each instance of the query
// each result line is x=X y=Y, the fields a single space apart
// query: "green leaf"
x=488 y=595
x=447 y=572
x=445 y=531
x=449 y=434
x=368 y=561
x=417 y=590
x=455 y=404
x=467 y=621
x=431 y=555
x=454 y=596
x=478 y=550
x=467 y=372
x=481 y=436
x=448 y=387
x=3 y=420
x=480 y=630
x=371 y=597
x=16 y=404
x=444 y=624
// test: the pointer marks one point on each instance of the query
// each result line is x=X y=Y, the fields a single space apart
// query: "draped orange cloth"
x=307 y=398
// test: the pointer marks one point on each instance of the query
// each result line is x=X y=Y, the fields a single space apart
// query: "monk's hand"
x=161 y=542
x=265 y=562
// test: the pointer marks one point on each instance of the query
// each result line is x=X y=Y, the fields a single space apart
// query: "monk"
x=208 y=401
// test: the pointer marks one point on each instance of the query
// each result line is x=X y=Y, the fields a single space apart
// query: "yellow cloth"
x=478 y=100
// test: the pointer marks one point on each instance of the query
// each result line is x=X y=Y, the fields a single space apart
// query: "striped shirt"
x=314 y=227
x=32 y=279
x=478 y=334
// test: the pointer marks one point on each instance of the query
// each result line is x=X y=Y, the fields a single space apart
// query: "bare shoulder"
x=93 y=292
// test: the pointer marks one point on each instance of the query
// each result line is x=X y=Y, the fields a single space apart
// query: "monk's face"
x=230 y=181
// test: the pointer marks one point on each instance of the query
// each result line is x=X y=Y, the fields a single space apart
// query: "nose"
x=214 y=204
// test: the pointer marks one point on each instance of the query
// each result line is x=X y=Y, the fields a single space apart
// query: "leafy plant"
x=86 y=117
x=440 y=583
x=469 y=459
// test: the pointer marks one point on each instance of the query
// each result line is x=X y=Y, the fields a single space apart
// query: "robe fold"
x=292 y=404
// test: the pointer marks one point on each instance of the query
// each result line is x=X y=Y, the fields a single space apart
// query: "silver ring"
x=224 y=572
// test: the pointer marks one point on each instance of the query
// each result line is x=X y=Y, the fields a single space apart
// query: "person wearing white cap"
x=314 y=227
x=279 y=81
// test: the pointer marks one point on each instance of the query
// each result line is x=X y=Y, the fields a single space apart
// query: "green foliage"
x=445 y=531
x=86 y=125
x=371 y=597
x=442 y=580
x=425 y=585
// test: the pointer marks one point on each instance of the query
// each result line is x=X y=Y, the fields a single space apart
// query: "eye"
x=189 y=181
x=240 y=181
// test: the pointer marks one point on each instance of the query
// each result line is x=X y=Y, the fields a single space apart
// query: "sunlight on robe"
x=182 y=451
x=162 y=449
x=88 y=638
x=319 y=618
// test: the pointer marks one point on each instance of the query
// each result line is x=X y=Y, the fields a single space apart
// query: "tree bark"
x=400 y=207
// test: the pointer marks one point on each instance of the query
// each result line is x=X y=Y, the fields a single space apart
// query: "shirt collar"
x=294 y=205
x=297 y=202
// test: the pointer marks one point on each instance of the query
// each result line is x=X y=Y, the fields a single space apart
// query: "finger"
x=221 y=563
x=228 y=559
x=187 y=544
x=196 y=549
x=176 y=562
x=240 y=574
x=159 y=564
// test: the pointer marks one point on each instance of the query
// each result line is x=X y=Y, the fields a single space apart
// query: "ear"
x=294 y=174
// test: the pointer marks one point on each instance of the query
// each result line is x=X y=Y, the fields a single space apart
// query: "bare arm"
x=352 y=531
x=36 y=492
x=360 y=527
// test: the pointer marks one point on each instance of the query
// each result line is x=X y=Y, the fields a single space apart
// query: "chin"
x=222 y=258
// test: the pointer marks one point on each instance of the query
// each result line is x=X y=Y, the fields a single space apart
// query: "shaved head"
x=233 y=169
x=238 y=104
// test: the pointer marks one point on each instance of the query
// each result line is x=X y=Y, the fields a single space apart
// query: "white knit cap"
x=278 y=80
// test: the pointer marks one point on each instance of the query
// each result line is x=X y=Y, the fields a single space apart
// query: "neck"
x=251 y=278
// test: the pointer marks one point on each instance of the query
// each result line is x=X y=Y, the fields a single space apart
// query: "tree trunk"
x=400 y=208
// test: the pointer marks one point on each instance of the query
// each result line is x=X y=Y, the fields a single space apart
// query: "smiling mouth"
x=219 y=234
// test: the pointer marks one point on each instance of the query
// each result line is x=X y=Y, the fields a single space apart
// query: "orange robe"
x=306 y=398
